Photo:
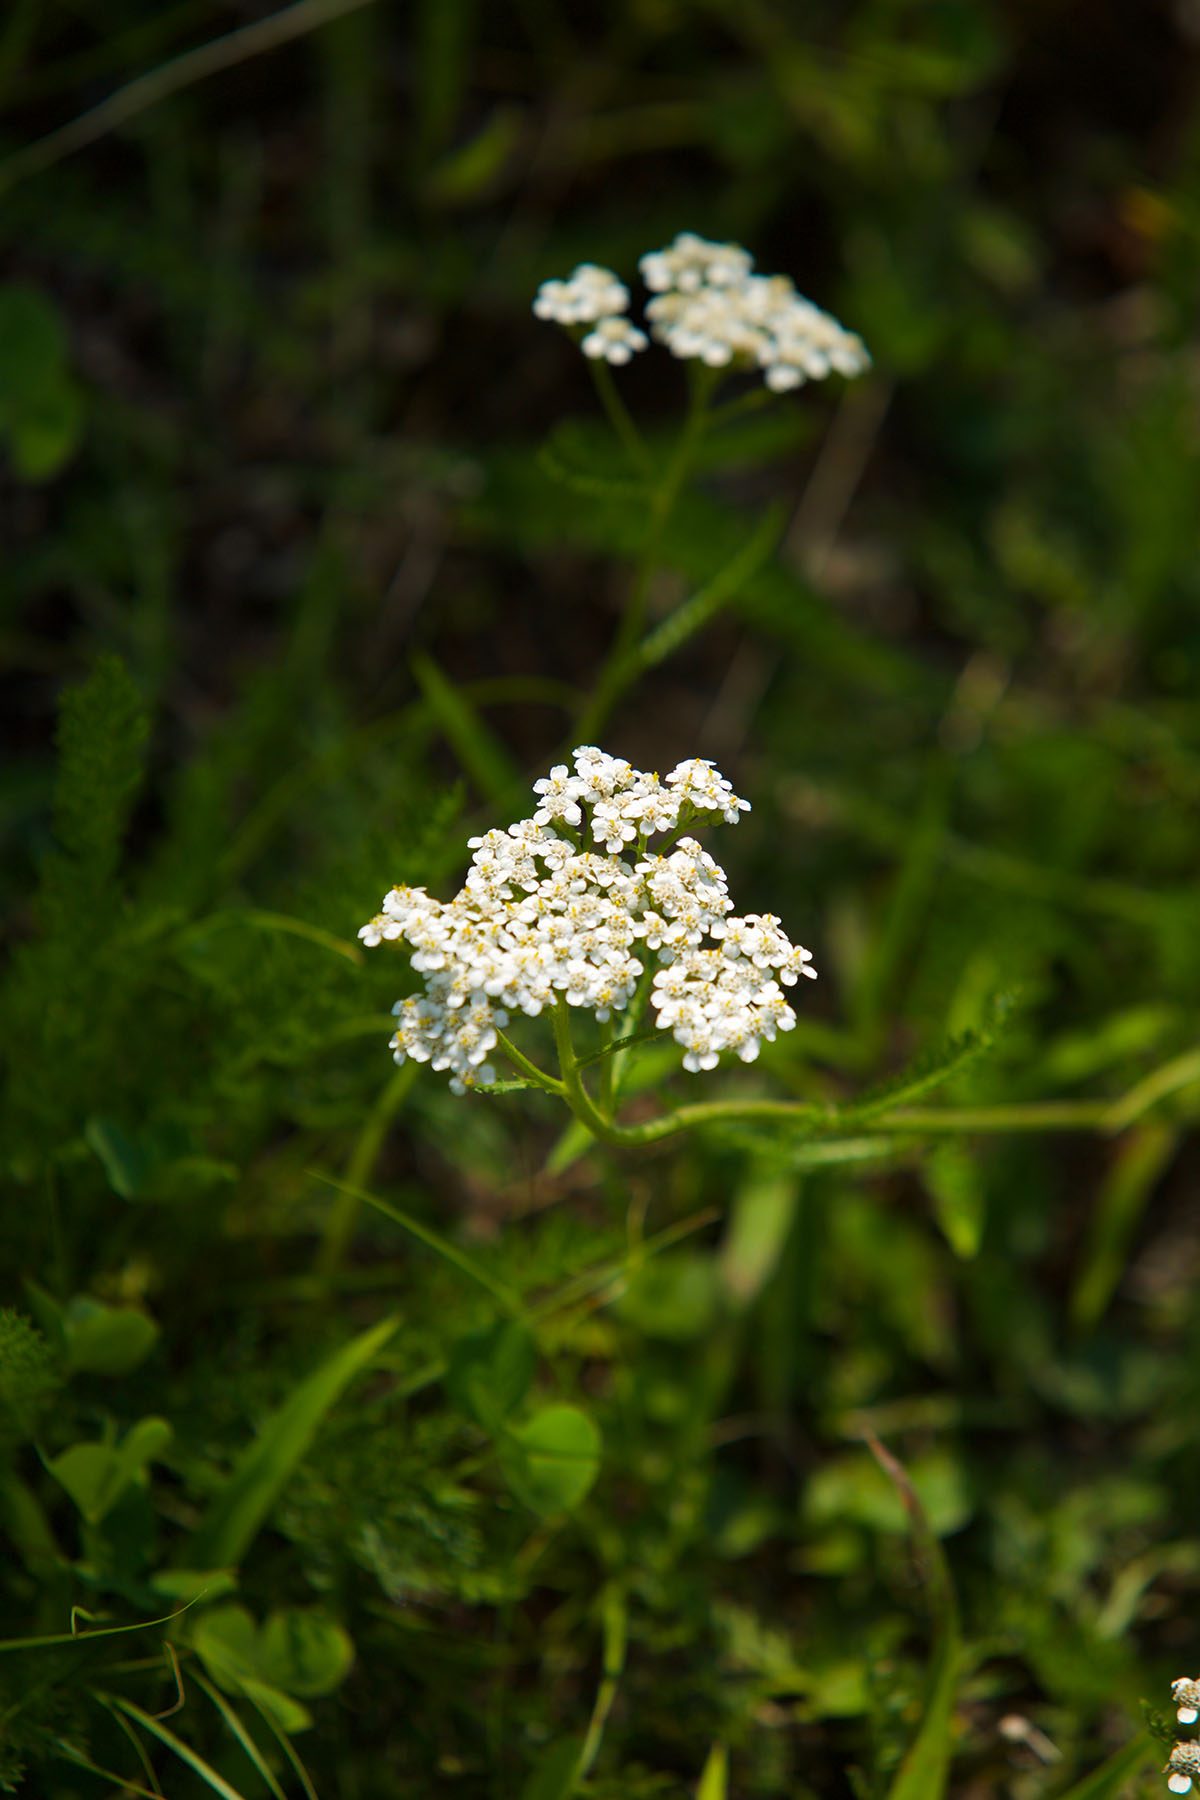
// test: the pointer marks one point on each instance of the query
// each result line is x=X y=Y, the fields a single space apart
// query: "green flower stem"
x=620 y=418
x=529 y=1069
x=613 y=1612
x=620 y=666
x=819 y=1123
x=577 y=1096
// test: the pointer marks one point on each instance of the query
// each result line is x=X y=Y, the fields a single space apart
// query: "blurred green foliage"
x=547 y=1472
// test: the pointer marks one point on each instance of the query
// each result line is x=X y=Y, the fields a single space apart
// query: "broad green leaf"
x=226 y=1641
x=229 y=1643
x=305 y=1652
x=490 y=1371
x=41 y=404
x=676 y=1296
x=552 y=1460
x=96 y=1475
x=106 y=1340
x=555 y=1773
x=243 y=1504
x=193 y=1584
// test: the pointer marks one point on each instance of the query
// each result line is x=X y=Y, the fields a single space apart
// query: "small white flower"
x=590 y=293
x=1183 y=1765
x=693 y=262
x=1186 y=1694
x=613 y=340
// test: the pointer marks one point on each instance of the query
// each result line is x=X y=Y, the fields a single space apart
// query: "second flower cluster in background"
x=708 y=305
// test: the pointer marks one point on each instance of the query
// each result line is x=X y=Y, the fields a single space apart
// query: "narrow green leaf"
x=242 y=1506
x=890 y=953
x=760 y=1216
x=1108 y=1781
x=927 y=1071
x=923 y=1773
x=480 y=752
x=588 y=481
x=433 y=1240
x=554 y=1775
x=183 y=1751
x=85 y=1637
x=468 y=172
x=106 y=1340
x=952 y=1175
x=1137 y=1163
x=714 y=1778
x=703 y=605
x=123 y=1156
x=243 y=1737
x=121 y=1783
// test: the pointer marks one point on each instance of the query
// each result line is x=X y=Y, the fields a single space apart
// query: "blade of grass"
x=241 y=1734
x=85 y=1637
x=508 y=1298
x=289 y=1750
x=1138 y=1162
x=926 y=1765
x=147 y=90
x=714 y=1777
x=176 y=1745
x=122 y=1784
x=1106 y=1782
x=241 y=1508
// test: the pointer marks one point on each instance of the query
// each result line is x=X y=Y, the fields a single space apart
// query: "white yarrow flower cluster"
x=543 y=915
x=589 y=294
x=1183 y=1764
x=709 y=306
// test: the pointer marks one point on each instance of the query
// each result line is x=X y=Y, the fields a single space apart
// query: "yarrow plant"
x=571 y=908
x=1183 y=1764
x=707 y=306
